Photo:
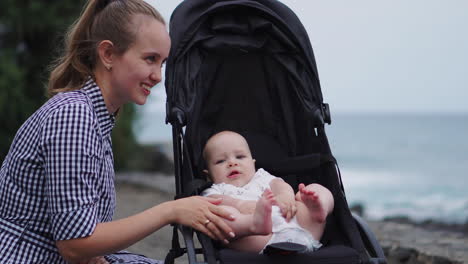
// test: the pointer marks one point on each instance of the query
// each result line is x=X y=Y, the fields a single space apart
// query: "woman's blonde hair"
x=100 y=20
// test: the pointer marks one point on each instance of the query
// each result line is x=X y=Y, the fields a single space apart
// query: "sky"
x=380 y=56
x=385 y=56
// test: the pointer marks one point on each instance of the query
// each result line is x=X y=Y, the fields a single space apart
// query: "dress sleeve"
x=214 y=189
x=71 y=146
x=263 y=177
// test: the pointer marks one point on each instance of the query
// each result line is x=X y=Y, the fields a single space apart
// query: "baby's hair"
x=204 y=160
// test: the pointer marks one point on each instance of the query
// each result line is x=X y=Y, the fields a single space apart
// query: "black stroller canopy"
x=248 y=66
x=200 y=29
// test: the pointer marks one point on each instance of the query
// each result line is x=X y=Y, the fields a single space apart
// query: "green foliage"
x=123 y=139
x=13 y=105
x=31 y=36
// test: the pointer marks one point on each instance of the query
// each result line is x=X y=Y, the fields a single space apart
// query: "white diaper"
x=295 y=235
x=290 y=232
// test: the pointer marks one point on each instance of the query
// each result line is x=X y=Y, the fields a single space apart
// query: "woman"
x=57 y=192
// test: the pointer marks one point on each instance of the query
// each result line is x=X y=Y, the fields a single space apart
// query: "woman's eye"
x=151 y=59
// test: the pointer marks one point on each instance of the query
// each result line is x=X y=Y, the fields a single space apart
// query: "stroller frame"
x=207 y=251
x=183 y=109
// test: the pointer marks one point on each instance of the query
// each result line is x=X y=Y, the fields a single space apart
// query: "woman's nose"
x=156 y=75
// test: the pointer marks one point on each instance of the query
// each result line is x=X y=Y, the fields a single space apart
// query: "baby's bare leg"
x=258 y=223
x=318 y=200
x=262 y=224
x=250 y=243
x=314 y=202
x=252 y=231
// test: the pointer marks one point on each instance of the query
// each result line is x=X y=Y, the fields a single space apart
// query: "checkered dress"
x=57 y=181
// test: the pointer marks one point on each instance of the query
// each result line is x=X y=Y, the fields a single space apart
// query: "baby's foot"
x=262 y=216
x=314 y=202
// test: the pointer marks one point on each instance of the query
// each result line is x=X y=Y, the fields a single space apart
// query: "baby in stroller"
x=266 y=209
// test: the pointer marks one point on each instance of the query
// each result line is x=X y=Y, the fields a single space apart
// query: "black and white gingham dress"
x=57 y=181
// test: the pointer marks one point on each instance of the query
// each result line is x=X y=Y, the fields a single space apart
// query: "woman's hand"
x=203 y=214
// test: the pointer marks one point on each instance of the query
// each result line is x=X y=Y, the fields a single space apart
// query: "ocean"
x=413 y=165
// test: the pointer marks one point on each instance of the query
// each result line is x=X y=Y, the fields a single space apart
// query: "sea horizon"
x=394 y=164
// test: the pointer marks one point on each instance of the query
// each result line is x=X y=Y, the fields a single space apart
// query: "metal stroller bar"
x=177 y=151
x=180 y=149
x=369 y=239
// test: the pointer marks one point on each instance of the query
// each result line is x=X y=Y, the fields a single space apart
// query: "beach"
x=134 y=198
x=402 y=242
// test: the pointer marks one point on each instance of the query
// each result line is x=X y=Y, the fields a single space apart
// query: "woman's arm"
x=116 y=235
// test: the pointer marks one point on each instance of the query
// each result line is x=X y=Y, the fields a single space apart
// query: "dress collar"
x=105 y=119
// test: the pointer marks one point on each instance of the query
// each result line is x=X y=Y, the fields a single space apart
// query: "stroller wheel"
x=284 y=249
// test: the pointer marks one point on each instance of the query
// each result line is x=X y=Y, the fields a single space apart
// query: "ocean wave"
x=388 y=194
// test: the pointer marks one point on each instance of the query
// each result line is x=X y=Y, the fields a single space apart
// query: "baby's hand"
x=287 y=206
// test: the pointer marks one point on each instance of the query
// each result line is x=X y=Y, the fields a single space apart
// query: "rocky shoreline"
x=411 y=244
x=403 y=242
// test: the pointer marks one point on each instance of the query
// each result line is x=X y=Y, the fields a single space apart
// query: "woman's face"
x=138 y=69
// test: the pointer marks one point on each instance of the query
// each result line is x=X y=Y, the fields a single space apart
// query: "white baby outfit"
x=282 y=230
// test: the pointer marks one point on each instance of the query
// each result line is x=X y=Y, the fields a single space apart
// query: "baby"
x=266 y=209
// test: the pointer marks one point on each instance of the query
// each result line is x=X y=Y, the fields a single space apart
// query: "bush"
x=31 y=36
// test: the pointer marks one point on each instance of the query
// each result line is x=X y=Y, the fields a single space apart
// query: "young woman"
x=57 y=194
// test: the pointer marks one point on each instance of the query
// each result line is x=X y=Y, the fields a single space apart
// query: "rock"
x=411 y=244
x=151 y=159
x=357 y=208
x=402 y=254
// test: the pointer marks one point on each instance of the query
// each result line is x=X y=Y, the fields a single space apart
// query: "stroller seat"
x=338 y=254
x=272 y=156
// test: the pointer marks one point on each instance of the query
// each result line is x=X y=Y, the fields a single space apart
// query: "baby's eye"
x=219 y=161
x=240 y=156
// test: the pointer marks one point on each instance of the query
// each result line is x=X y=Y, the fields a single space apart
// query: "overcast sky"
x=381 y=56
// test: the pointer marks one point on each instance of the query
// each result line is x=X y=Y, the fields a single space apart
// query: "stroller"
x=248 y=66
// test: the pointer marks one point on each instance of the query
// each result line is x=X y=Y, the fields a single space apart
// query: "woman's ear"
x=106 y=53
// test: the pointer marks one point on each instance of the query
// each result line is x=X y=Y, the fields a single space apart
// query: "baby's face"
x=229 y=159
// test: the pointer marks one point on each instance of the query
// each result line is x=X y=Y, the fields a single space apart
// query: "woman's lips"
x=146 y=91
x=146 y=88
